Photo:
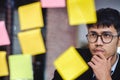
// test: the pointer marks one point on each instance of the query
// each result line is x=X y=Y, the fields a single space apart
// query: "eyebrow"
x=107 y=32
x=101 y=33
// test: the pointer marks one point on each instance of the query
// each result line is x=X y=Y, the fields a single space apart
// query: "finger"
x=95 y=59
x=91 y=64
x=109 y=59
x=101 y=56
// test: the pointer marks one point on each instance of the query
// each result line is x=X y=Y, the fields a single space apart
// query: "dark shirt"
x=85 y=53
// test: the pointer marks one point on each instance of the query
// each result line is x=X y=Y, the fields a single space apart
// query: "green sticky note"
x=70 y=64
x=20 y=67
x=81 y=11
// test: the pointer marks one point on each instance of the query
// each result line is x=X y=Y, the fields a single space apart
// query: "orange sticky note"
x=32 y=42
x=3 y=64
x=4 y=39
x=30 y=16
x=70 y=64
x=81 y=11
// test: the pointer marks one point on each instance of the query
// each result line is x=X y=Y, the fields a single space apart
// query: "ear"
x=119 y=41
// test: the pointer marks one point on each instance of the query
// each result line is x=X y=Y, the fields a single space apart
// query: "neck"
x=114 y=58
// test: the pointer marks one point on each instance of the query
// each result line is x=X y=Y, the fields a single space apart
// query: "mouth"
x=98 y=51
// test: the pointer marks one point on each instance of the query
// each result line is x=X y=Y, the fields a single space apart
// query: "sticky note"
x=20 y=67
x=31 y=42
x=4 y=38
x=53 y=3
x=3 y=64
x=30 y=16
x=70 y=64
x=81 y=11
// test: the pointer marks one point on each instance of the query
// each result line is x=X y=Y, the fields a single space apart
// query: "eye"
x=93 y=35
x=107 y=35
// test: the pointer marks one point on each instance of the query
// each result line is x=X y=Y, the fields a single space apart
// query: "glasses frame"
x=101 y=38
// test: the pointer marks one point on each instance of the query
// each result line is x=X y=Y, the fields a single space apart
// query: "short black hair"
x=107 y=17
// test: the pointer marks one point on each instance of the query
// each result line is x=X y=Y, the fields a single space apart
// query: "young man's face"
x=103 y=46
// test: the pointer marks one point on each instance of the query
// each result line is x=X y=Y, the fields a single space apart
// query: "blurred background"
x=58 y=35
x=9 y=14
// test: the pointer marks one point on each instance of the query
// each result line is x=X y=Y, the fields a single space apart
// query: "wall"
x=59 y=37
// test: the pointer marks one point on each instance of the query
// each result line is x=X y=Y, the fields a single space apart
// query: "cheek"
x=112 y=48
x=114 y=44
x=91 y=46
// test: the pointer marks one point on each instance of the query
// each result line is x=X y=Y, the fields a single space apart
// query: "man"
x=103 y=40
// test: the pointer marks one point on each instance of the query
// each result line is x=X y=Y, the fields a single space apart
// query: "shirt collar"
x=115 y=64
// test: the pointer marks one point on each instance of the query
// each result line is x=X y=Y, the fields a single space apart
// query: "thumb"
x=109 y=59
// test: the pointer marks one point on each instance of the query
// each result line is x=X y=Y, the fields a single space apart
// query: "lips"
x=98 y=50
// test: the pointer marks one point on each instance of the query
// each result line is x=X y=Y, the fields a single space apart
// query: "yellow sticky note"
x=70 y=64
x=81 y=11
x=30 y=16
x=31 y=42
x=20 y=67
x=3 y=64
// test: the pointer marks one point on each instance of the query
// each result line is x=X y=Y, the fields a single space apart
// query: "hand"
x=101 y=67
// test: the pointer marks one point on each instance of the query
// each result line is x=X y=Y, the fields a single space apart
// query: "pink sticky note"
x=4 y=39
x=53 y=3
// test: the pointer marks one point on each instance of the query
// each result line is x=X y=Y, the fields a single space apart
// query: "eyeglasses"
x=105 y=37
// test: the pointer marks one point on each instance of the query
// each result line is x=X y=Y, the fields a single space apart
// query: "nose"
x=99 y=41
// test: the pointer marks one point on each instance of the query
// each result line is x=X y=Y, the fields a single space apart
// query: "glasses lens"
x=107 y=38
x=92 y=37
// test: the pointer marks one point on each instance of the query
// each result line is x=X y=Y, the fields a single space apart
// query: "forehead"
x=102 y=29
